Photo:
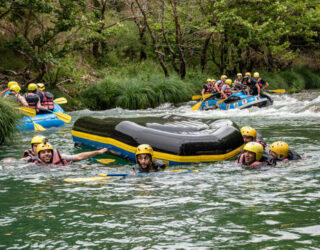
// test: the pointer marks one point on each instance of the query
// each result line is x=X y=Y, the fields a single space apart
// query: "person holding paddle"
x=208 y=88
x=14 y=94
x=47 y=155
x=32 y=98
x=46 y=98
x=145 y=164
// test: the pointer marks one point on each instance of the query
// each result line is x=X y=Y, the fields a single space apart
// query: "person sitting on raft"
x=218 y=84
x=7 y=90
x=225 y=90
x=262 y=85
x=237 y=84
x=145 y=164
x=208 y=88
x=249 y=134
x=46 y=98
x=47 y=155
x=253 y=156
x=280 y=151
x=14 y=94
x=32 y=98
x=29 y=155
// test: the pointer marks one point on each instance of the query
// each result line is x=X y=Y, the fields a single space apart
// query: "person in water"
x=249 y=134
x=47 y=155
x=253 y=156
x=29 y=155
x=145 y=164
x=280 y=151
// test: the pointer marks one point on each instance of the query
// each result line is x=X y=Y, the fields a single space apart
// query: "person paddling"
x=47 y=155
x=145 y=164
x=253 y=156
x=46 y=98
x=14 y=94
x=7 y=90
x=262 y=85
x=32 y=98
x=280 y=151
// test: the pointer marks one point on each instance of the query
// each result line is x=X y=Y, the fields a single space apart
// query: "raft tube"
x=175 y=142
x=45 y=120
x=237 y=100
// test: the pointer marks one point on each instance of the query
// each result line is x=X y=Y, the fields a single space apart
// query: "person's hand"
x=103 y=151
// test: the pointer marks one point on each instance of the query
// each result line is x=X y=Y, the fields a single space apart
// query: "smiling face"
x=249 y=157
x=46 y=155
x=144 y=160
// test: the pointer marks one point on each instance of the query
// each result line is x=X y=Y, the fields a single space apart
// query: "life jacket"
x=47 y=100
x=208 y=89
x=227 y=90
x=260 y=140
x=264 y=161
x=156 y=167
x=28 y=153
x=56 y=160
x=32 y=100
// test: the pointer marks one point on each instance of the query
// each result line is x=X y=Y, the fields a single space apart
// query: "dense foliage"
x=8 y=120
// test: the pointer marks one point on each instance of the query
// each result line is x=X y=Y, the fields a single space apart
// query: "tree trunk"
x=203 y=58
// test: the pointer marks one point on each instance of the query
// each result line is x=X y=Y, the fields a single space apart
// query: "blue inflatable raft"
x=237 y=100
x=45 y=120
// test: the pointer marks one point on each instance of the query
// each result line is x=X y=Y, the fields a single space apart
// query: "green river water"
x=221 y=206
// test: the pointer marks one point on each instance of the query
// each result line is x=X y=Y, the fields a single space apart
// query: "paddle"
x=222 y=100
x=198 y=97
x=27 y=111
x=60 y=100
x=62 y=116
x=4 y=91
x=161 y=172
x=279 y=91
x=198 y=105
x=86 y=179
x=36 y=126
x=106 y=161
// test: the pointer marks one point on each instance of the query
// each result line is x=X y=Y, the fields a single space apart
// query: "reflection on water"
x=220 y=206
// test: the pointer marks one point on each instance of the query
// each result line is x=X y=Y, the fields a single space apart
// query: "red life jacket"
x=253 y=165
x=56 y=160
x=47 y=100
x=28 y=153
x=227 y=91
x=32 y=100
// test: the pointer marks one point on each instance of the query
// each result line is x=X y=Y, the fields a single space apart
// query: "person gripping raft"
x=280 y=151
x=144 y=160
x=47 y=155
x=249 y=134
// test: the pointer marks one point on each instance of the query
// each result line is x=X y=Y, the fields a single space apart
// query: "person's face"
x=239 y=77
x=46 y=155
x=34 y=147
x=273 y=154
x=249 y=157
x=247 y=138
x=144 y=160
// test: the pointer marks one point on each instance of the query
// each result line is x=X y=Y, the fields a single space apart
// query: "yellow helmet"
x=38 y=139
x=247 y=74
x=256 y=148
x=44 y=146
x=248 y=131
x=11 y=83
x=239 y=74
x=256 y=74
x=208 y=80
x=280 y=148
x=223 y=77
x=41 y=86
x=15 y=88
x=144 y=149
x=229 y=81
x=32 y=87
x=213 y=80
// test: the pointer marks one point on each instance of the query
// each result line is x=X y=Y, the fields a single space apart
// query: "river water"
x=221 y=206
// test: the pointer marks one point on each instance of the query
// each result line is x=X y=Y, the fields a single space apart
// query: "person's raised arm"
x=87 y=155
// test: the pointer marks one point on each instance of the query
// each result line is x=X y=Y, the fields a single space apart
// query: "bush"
x=8 y=120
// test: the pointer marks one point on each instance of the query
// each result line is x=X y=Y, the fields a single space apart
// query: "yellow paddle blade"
x=63 y=117
x=106 y=161
x=27 y=111
x=196 y=97
x=280 y=91
x=86 y=179
x=60 y=100
x=38 y=127
x=197 y=106
x=220 y=102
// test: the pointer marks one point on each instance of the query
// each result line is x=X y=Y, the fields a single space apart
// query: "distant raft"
x=175 y=140
x=45 y=120
x=237 y=100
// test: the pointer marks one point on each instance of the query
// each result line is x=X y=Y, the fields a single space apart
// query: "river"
x=221 y=206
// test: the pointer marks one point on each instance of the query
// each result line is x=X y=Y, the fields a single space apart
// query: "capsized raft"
x=175 y=140
x=238 y=100
x=45 y=120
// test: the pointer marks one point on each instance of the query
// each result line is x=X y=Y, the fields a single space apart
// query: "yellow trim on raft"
x=156 y=154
